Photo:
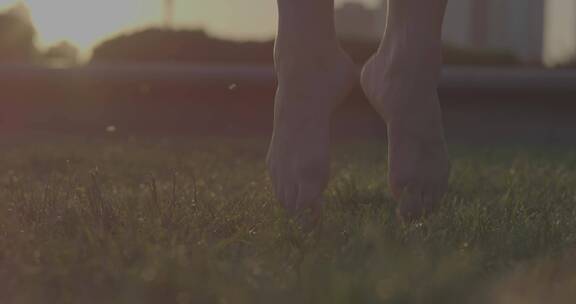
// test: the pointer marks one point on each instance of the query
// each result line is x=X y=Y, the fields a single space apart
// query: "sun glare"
x=85 y=22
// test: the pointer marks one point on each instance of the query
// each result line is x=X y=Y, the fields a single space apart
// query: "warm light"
x=86 y=22
x=7 y=3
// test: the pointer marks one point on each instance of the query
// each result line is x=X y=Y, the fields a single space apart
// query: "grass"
x=152 y=221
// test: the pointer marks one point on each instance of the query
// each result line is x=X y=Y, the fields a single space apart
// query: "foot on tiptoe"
x=401 y=85
x=309 y=89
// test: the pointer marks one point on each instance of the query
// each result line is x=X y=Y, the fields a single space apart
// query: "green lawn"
x=159 y=221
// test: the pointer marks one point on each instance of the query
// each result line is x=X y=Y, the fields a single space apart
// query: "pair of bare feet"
x=400 y=81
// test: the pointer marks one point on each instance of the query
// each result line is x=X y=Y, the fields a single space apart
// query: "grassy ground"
x=165 y=222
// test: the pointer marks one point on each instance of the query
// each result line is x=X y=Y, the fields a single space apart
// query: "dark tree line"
x=17 y=36
x=18 y=41
x=164 y=45
x=17 y=45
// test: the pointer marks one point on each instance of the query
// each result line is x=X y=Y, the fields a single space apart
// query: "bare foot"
x=309 y=89
x=401 y=83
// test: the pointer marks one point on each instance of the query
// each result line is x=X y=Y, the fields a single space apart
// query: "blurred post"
x=168 y=13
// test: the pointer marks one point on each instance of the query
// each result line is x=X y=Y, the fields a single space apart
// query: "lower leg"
x=314 y=76
x=305 y=27
x=401 y=83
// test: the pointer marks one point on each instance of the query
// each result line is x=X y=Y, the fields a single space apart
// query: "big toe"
x=301 y=199
x=286 y=190
x=309 y=199
x=416 y=204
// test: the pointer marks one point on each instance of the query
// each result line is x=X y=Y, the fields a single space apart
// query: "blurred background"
x=204 y=68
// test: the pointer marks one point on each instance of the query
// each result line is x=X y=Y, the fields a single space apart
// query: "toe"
x=279 y=191
x=419 y=203
x=309 y=196
x=310 y=202
x=430 y=201
x=410 y=206
x=289 y=199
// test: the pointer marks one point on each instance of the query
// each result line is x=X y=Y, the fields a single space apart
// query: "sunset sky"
x=87 y=22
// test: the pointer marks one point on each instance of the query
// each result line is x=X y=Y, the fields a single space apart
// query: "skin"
x=314 y=78
x=401 y=83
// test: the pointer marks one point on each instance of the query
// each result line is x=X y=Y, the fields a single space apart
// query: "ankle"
x=289 y=60
x=401 y=55
x=420 y=20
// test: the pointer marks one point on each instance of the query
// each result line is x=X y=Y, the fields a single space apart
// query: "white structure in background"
x=516 y=26
x=168 y=13
x=560 y=32
x=527 y=32
x=457 y=24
